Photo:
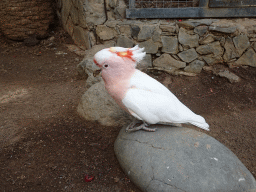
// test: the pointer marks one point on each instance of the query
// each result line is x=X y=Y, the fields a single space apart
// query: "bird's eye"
x=105 y=66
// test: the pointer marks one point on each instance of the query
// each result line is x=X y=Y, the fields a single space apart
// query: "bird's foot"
x=143 y=126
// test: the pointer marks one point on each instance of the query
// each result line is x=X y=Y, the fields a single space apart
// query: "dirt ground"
x=46 y=146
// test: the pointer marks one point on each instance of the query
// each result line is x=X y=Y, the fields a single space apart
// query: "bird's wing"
x=141 y=80
x=155 y=108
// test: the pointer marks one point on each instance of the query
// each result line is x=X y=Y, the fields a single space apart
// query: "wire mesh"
x=166 y=3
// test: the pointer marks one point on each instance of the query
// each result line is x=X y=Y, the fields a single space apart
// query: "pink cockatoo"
x=140 y=95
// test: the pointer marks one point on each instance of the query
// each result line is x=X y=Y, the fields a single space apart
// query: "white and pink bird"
x=140 y=95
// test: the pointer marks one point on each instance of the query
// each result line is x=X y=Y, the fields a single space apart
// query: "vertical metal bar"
x=131 y=4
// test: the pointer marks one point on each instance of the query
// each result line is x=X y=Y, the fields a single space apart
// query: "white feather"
x=149 y=100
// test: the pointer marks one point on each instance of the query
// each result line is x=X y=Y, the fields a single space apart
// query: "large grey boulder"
x=97 y=105
x=179 y=160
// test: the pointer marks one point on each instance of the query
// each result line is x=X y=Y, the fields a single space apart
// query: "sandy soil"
x=46 y=146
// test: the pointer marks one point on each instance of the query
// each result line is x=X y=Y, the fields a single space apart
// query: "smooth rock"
x=241 y=43
x=248 y=58
x=188 y=55
x=201 y=30
x=170 y=45
x=105 y=33
x=223 y=29
x=186 y=39
x=124 y=41
x=146 y=32
x=180 y=159
x=230 y=50
x=167 y=62
x=97 y=105
x=233 y=78
x=195 y=66
x=212 y=48
x=150 y=46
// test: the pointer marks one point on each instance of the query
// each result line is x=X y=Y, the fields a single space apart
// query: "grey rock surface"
x=170 y=45
x=146 y=32
x=135 y=31
x=124 y=41
x=230 y=50
x=150 y=46
x=212 y=48
x=145 y=63
x=166 y=61
x=105 y=33
x=81 y=37
x=207 y=39
x=241 y=43
x=97 y=105
x=180 y=160
x=223 y=29
x=201 y=30
x=188 y=55
x=186 y=39
x=212 y=59
x=195 y=66
x=248 y=58
x=233 y=78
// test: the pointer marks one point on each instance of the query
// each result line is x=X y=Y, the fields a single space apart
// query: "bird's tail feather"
x=200 y=122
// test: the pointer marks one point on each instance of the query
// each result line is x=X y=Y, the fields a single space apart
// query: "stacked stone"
x=177 y=47
x=183 y=46
x=80 y=18
x=20 y=19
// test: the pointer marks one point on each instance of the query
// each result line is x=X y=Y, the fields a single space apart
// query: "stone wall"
x=176 y=46
x=20 y=19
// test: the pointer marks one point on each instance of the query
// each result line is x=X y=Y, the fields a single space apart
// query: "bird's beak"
x=94 y=60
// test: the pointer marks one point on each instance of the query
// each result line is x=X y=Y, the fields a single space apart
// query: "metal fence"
x=190 y=8
x=166 y=3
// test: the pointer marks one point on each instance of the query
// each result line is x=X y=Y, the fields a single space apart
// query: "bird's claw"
x=143 y=126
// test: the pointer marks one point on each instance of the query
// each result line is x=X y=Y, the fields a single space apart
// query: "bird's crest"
x=136 y=54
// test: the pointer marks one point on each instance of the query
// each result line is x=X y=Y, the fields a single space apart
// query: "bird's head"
x=107 y=56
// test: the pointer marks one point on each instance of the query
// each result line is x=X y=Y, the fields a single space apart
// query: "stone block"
x=186 y=39
x=150 y=46
x=170 y=44
x=188 y=55
x=124 y=41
